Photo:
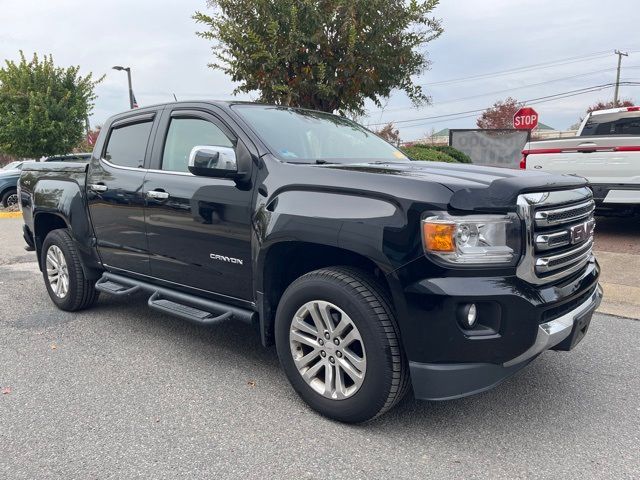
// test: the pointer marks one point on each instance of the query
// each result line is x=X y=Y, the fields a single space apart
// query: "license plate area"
x=580 y=328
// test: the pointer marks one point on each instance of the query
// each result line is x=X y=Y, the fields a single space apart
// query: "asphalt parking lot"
x=122 y=392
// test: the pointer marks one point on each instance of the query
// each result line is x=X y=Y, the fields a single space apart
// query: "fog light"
x=468 y=315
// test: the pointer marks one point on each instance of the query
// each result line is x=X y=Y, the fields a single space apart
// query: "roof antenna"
x=174 y=97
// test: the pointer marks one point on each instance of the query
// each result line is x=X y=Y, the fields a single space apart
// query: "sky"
x=156 y=38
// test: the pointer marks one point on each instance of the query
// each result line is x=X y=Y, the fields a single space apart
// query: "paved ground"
x=617 y=245
x=621 y=235
x=121 y=392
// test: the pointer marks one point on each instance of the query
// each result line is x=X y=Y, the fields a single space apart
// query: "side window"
x=127 y=144
x=186 y=133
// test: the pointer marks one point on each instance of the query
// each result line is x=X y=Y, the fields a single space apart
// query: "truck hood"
x=474 y=187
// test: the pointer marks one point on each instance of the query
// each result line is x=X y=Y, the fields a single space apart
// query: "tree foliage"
x=500 y=115
x=603 y=106
x=606 y=105
x=389 y=133
x=328 y=55
x=43 y=108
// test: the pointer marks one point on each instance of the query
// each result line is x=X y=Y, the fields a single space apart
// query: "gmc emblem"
x=581 y=233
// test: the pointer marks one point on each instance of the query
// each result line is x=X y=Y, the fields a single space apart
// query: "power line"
x=521 y=87
x=535 y=66
x=461 y=117
x=526 y=68
x=531 y=101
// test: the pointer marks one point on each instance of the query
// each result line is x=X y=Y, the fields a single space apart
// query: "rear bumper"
x=455 y=380
x=616 y=195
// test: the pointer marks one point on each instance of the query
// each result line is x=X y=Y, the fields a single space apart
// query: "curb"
x=10 y=215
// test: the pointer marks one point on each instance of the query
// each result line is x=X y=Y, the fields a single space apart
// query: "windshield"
x=307 y=136
x=12 y=166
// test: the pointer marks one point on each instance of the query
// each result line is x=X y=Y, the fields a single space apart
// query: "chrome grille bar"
x=548 y=241
x=556 y=216
x=555 y=262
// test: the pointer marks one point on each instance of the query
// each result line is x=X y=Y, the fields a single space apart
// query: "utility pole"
x=615 y=95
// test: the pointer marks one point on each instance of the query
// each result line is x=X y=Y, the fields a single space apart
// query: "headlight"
x=472 y=239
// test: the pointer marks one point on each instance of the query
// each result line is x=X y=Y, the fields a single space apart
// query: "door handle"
x=98 y=187
x=158 y=194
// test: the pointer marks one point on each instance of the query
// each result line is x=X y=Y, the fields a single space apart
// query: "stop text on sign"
x=525 y=119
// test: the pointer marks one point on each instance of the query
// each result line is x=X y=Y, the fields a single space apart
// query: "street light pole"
x=128 y=70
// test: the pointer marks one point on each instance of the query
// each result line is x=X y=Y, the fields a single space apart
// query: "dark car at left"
x=10 y=173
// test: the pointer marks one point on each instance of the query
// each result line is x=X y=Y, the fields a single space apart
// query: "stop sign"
x=525 y=119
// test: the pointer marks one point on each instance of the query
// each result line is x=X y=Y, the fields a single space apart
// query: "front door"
x=198 y=228
x=115 y=198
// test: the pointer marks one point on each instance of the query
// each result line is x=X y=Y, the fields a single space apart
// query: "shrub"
x=424 y=152
x=461 y=157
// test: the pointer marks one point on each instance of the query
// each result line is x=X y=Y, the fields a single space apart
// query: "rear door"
x=199 y=233
x=114 y=194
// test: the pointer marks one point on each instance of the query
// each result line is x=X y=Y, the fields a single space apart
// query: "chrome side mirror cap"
x=213 y=161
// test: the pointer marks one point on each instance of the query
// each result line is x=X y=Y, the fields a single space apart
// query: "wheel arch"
x=60 y=203
x=286 y=261
x=43 y=224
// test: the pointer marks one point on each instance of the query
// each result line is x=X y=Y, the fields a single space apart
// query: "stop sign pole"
x=525 y=119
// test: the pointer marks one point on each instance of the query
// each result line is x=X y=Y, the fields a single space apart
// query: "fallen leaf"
x=6 y=390
x=54 y=346
x=251 y=383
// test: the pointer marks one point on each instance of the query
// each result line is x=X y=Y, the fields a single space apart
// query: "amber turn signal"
x=439 y=237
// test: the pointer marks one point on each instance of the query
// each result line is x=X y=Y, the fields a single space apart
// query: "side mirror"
x=213 y=161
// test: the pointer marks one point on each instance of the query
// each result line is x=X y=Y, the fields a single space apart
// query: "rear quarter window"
x=612 y=124
x=127 y=144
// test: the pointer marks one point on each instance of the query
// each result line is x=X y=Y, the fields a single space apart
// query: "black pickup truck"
x=371 y=273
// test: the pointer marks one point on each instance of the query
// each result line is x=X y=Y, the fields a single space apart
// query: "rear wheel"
x=10 y=198
x=338 y=343
x=63 y=274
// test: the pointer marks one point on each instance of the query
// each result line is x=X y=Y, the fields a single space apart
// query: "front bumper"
x=449 y=381
x=516 y=322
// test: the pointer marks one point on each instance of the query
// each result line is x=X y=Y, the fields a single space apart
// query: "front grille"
x=559 y=233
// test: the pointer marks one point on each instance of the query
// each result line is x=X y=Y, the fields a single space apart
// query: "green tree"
x=329 y=55
x=43 y=108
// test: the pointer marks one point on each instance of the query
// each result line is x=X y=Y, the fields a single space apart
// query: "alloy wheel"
x=57 y=271
x=12 y=200
x=328 y=350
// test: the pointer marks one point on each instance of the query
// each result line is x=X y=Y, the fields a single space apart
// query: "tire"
x=80 y=293
x=351 y=295
x=10 y=197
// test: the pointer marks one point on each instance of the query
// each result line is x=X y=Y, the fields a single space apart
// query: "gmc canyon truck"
x=606 y=151
x=371 y=273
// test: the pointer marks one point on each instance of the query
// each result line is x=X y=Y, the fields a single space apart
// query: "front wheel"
x=338 y=343
x=63 y=274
